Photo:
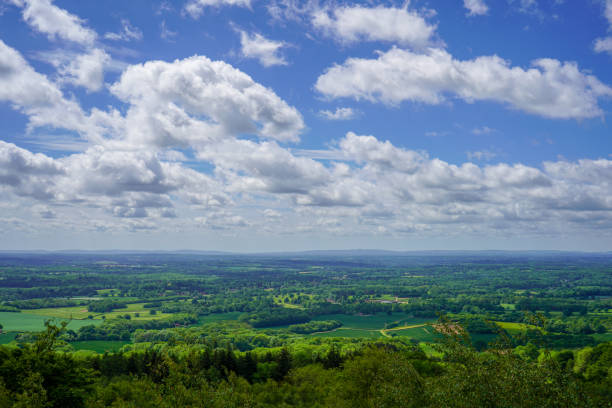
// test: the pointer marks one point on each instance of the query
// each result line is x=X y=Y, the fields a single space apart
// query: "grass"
x=99 y=346
x=420 y=333
x=6 y=338
x=485 y=337
x=20 y=322
x=280 y=300
x=81 y=312
x=603 y=337
x=374 y=326
x=508 y=306
x=219 y=317
x=373 y=322
x=73 y=312
x=513 y=328
x=349 y=332
x=429 y=350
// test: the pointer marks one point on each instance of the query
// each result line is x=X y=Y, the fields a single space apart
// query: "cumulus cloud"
x=605 y=44
x=195 y=8
x=196 y=101
x=383 y=187
x=86 y=70
x=339 y=114
x=266 y=51
x=371 y=151
x=475 y=7
x=55 y=22
x=265 y=167
x=548 y=88
x=27 y=173
x=127 y=184
x=350 y=24
x=128 y=33
x=33 y=94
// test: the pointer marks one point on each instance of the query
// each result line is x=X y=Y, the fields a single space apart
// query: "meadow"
x=99 y=346
x=137 y=311
x=22 y=322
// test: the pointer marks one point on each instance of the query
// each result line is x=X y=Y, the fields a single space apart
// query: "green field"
x=371 y=326
x=350 y=332
x=603 y=337
x=514 y=328
x=373 y=322
x=219 y=317
x=423 y=333
x=81 y=312
x=99 y=346
x=18 y=322
x=6 y=338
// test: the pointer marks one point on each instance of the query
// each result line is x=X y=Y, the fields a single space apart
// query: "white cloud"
x=475 y=7
x=128 y=33
x=127 y=183
x=357 y=23
x=195 y=8
x=377 y=187
x=383 y=155
x=33 y=94
x=197 y=101
x=605 y=44
x=262 y=49
x=481 y=155
x=86 y=70
x=27 y=173
x=549 y=88
x=339 y=114
x=527 y=6
x=265 y=167
x=484 y=130
x=55 y=22
x=608 y=11
x=165 y=32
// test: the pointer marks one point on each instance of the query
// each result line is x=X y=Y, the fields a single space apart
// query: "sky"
x=247 y=125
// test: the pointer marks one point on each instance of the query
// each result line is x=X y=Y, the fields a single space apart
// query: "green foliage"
x=315 y=326
x=277 y=316
x=36 y=375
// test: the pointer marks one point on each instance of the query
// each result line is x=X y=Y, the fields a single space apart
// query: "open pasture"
x=420 y=333
x=513 y=328
x=20 y=322
x=350 y=332
x=6 y=338
x=135 y=310
x=99 y=346
x=219 y=317
x=377 y=321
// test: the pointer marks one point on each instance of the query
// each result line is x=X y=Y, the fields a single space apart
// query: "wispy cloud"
x=339 y=114
x=258 y=47
x=476 y=7
x=128 y=33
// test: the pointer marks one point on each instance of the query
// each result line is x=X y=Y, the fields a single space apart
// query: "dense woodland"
x=321 y=329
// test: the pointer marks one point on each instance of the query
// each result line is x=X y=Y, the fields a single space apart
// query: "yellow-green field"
x=81 y=312
x=280 y=300
x=512 y=327
x=19 y=322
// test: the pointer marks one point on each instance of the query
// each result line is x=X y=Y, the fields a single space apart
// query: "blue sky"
x=284 y=125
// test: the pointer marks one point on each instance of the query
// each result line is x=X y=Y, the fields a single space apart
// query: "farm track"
x=413 y=326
